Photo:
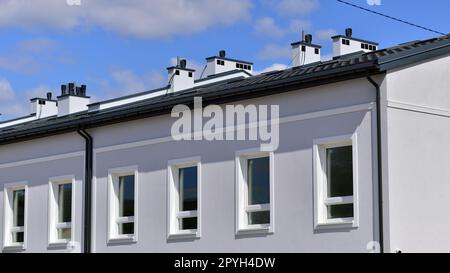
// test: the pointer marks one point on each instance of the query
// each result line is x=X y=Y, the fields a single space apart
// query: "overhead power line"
x=390 y=17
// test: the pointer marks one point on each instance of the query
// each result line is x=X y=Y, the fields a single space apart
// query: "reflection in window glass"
x=64 y=210
x=259 y=181
x=18 y=215
x=188 y=196
x=340 y=171
x=126 y=203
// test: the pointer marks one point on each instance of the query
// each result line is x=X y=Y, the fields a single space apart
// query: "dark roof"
x=348 y=67
x=355 y=39
x=306 y=44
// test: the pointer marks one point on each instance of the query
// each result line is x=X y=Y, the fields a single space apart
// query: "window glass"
x=126 y=228
x=340 y=171
x=18 y=214
x=188 y=188
x=340 y=211
x=259 y=180
x=65 y=203
x=188 y=223
x=126 y=196
x=259 y=218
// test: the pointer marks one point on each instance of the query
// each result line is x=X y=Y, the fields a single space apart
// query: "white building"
x=362 y=158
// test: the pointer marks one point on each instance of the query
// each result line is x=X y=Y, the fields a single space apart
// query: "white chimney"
x=180 y=77
x=73 y=99
x=343 y=45
x=305 y=52
x=43 y=108
x=221 y=64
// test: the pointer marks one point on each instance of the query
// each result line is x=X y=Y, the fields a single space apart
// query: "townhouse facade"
x=360 y=163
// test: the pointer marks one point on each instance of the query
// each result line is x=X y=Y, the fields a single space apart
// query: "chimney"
x=73 y=99
x=44 y=107
x=180 y=77
x=221 y=64
x=305 y=52
x=347 y=44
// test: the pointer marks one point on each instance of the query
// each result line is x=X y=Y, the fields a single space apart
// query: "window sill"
x=14 y=248
x=337 y=225
x=188 y=234
x=122 y=240
x=264 y=230
x=61 y=245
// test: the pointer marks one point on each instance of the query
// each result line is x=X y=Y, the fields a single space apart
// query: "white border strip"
x=418 y=108
x=294 y=118
x=40 y=160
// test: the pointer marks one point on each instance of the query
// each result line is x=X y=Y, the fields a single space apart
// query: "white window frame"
x=173 y=230
x=8 y=245
x=242 y=207
x=53 y=211
x=321 y=220
x=113 y=210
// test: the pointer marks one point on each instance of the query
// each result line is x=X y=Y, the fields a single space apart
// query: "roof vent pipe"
x=222 y=54
x=49 y=95
x=349 y=32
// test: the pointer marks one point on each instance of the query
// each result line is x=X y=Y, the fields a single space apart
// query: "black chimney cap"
x=308 y=38
x=63 y=89
x=222 y=53
x=183 y=63
x=349 y=32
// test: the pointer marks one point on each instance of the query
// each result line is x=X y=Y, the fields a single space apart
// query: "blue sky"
x=119 y=47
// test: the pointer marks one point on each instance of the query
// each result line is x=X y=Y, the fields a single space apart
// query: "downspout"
x=87 y=227
x=379 y=162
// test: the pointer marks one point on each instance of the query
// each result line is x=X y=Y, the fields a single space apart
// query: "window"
x=177 y=72
x=220 y=62
x=123 y=204
x=316 y=51
x=184 y=198
x=345 y=42
x=61 y=210
x=303 y=48
x=254 y=192
x=336 y=181
x=190 y=74
x=15 y=200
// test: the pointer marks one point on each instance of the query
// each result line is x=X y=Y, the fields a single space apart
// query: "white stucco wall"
x=294 y=198
x=418 y=137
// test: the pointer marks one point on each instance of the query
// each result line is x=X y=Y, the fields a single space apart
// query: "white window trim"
x=173 y=231
x=113 y=219
x=7 y=217
x=321 y=220
x=242 y=207
x=53 y=225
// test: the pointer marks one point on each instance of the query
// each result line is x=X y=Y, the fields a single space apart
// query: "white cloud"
x=325 y=34
x=298 y=25
x=137 y=18
x=6 y=91
x=127 y=82
x=37 y=45
x=10 y=107
x=272 y=68
x=272 y=51
x=30 y=56
x=266 y=26
x=297 y=7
